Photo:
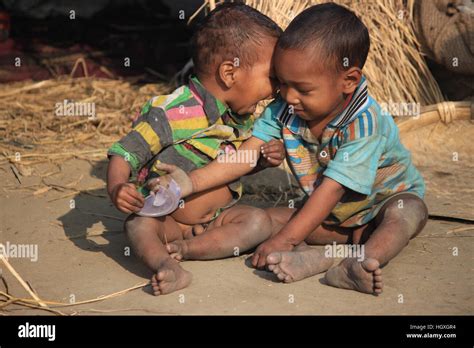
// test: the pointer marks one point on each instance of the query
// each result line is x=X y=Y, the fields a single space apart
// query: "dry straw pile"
x=396 y=70
x=30 y=124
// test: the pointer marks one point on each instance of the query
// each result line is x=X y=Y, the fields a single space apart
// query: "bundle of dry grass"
x=34 y=121
x=395 y=67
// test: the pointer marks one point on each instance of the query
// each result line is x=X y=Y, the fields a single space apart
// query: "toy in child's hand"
x=162 y=199
x=172 y=173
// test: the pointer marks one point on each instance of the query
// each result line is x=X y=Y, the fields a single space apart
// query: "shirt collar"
x=213 y=107
x=358 y=101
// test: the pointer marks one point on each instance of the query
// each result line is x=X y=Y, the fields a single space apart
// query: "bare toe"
x=371 y=265
x=154 y=285
x=274 y=258
x=297 y=265
x=176 y=256
x=166 y=275
x=365 y=276
x=172 y=248
x=276 y=269
x=171 y=277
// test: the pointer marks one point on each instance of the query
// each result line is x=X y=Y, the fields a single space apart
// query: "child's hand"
x=273 y=153
x=175 y=173
x=259 y=258
x=127 y=199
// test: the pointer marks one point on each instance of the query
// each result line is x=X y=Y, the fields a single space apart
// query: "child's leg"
x=303 y=261
x=234 y=231
x=147 y=235
x=395 y=226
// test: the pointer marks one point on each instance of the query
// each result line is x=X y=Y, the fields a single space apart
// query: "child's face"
x=255 y=83
x=314 y=91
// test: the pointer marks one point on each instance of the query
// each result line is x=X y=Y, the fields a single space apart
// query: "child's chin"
x=249 y=110
x=303 y=115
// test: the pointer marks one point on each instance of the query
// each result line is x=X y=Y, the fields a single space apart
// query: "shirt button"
x=323 y=154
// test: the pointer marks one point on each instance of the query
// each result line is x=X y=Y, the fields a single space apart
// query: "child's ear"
x=351 y=80
x=227 y=72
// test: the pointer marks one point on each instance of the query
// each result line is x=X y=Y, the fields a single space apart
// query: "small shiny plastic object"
x=162 y=202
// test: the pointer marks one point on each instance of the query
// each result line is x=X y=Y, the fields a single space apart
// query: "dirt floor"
x=426 y=278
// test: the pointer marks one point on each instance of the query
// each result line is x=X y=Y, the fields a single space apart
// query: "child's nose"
x=290 y=96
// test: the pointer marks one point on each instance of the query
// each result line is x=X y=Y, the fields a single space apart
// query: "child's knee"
x=134 y=225
x=419 y=211
x=411 y=211
x=131 y=224
x=259 y=221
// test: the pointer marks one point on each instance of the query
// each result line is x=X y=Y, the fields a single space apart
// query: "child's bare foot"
x=178 y=249
x=365 y=276
x=296 y=265
x=170 y=277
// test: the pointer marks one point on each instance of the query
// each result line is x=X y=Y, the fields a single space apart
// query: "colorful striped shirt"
x=360 y=149
x=187 y=128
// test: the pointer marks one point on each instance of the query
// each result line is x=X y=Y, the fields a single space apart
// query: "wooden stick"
x=26 y=88
x=197 y=11
x=42 y=190
x=21 y=281
x=18 y=301
x=97 y=299
x=212 y=4
x=15 y=172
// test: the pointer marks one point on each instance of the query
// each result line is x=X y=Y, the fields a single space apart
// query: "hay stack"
x=29 y=123
x=395 y=68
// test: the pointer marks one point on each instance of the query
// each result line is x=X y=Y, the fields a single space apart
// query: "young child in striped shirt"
x=360 y=183
x=232 y=57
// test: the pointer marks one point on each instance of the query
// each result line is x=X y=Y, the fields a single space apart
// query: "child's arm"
x=151 y=132
x=124 y=195
x=222 y=171
x=321 y=202
x=225 y=171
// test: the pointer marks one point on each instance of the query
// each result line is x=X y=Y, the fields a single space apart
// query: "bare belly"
x=201 y=207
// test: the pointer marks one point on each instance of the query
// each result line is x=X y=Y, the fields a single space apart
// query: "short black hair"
x=334 y=33
x=231 y=30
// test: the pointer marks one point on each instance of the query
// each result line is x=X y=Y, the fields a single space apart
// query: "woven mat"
x=444 y=155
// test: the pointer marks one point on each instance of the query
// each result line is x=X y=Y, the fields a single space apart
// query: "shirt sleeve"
x=151 y=132
x=267 y=127
x=356 y=162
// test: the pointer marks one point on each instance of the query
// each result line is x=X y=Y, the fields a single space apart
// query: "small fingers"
x=255 y=260
x=127 y=188
x=275 y=155
x=268 y=148
x=153 y=184
x=124 y=210
x=261 y=261
x=133 y=201
x=169 y=168
x=124 y=206
x=273 y=161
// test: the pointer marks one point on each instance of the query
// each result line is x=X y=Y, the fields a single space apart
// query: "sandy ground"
x=426 y=278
